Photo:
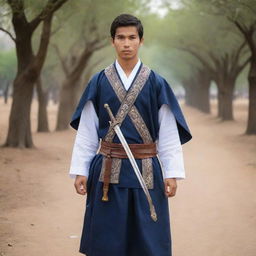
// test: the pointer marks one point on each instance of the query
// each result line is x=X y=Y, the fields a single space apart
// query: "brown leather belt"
x=116 y=150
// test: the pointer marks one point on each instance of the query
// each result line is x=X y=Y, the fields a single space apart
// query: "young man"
x=120 y=219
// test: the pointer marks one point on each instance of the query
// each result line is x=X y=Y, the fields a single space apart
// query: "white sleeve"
x=169 y=146
x=86 y=142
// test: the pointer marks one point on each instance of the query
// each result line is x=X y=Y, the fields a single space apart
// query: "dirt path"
x=213 y=212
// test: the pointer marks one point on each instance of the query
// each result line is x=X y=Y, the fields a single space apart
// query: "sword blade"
x=136 y=170
x=115 y=126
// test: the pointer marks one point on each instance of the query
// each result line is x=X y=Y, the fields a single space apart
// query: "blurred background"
x=206 y=50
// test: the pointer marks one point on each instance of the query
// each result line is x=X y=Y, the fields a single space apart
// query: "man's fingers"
x=171 y=191
x=170 y=188
x=79 y=189
x=80 y=185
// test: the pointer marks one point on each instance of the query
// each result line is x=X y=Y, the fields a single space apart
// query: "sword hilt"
x=112 y=118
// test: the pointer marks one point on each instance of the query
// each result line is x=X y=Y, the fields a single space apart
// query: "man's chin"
x=126 y=58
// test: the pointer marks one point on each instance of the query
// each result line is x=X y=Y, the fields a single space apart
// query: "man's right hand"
x=80 y=184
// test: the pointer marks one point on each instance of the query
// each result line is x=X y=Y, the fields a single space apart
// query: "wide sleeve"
x=86 y=142
x=166 y=96
x=168 y=145
x=90 y=93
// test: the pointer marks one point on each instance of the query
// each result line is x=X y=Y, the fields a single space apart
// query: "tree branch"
x=250 y=8
x=215 y=60
x=247 y=33
x=236 y=54
x=49 y=9
x=18 y=13
x=44 y=42
x=243 y=65
x=9 y=34
x=243 y=29
x=197 y=56
x=62 y=60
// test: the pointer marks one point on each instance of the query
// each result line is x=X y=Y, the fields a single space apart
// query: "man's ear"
x=142 y=41
x=112 y=41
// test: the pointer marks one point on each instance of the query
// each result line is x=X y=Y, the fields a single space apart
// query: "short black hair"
x=125 y=20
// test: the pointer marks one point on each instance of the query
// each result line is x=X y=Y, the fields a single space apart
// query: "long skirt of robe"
x=123 y=226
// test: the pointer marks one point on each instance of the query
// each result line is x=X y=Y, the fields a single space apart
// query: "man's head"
x=127 y=35
x=125 y=20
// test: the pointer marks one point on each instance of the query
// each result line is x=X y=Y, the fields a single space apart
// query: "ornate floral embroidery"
x=115 y=170
x=147 y=172
x=127 y=100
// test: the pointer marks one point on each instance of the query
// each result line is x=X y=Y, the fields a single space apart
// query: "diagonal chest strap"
x=127 y=100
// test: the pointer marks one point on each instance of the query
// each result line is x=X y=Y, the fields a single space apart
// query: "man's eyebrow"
x=127 y=35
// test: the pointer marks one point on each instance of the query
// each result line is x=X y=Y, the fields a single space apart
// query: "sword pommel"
x=106 y=106
x=105 y=195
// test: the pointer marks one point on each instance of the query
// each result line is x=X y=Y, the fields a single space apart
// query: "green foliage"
x=192 y=27
x=243 y=11
x=196 y=24
x=8 y=65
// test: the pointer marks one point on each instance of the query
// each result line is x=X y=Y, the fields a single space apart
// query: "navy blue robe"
x=123 y=226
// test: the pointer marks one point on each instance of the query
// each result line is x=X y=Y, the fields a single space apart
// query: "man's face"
x=127 y=42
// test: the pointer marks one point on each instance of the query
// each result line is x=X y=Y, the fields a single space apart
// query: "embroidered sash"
x=127 y=99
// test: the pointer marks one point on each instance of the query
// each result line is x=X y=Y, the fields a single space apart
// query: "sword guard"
x=112 y=124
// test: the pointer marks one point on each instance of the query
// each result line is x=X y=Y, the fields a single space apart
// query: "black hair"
x=125 y=20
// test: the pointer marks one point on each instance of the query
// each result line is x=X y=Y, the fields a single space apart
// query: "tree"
x=29 y=65
x=242 y=14
x=221 y=53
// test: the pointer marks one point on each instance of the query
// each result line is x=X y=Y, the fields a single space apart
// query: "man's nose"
x=126 y=43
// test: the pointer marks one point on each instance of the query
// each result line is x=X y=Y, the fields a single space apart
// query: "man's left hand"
x=170 y=185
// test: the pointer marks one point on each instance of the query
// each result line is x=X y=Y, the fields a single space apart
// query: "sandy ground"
x=212 y=214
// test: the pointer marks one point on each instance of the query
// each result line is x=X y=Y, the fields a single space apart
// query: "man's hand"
x=80 y=184
x=170 y=185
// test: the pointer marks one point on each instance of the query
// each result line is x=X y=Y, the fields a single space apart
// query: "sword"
x=115 y=126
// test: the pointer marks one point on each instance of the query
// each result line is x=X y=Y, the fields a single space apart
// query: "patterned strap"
x=127 y=100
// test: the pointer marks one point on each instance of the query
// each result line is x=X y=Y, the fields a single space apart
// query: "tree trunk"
x=203 y=94
x=68 y=101
x=225 y=101
x=190 y=97
x=251 y=123
x=197 y=91
x=19 y=132
x=68 y=95
x=29 y=68
x=42 y=120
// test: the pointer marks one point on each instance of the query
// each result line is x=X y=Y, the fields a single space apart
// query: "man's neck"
x=127 y=65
